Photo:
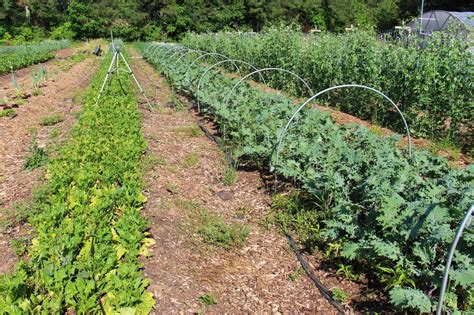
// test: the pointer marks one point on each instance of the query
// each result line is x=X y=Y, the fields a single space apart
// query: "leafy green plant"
x=17 y=57
x=89 y=232
x=375 y=205
x=38 y=157
x=208 y=299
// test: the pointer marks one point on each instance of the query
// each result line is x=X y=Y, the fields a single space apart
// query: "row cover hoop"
x=468 y=216
x=285 y=129
x=215 y=65
x=214 y=54
x=464 y=223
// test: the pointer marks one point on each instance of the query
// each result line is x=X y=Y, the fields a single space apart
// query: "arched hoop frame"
x=197 y=51
x=464 y=223
x=186 y=75
x=285 y=129
x=260 y=71
x=217 y=64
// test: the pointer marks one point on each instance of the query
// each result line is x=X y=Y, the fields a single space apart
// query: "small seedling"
x=208 y=299
x=51 y=120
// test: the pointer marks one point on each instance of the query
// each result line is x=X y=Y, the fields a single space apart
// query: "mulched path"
x=254 y=278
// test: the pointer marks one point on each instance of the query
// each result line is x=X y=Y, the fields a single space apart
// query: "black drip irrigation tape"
x=214 y=139
x=322 y=288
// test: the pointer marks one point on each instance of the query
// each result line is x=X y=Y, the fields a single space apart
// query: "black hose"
x=322 y=288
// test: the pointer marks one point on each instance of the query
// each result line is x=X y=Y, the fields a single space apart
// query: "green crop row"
x=17 y=57
x=431 y=78
x=394 y=215
x=88 y=229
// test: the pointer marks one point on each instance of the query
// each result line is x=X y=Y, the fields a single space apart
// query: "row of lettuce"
x=393 y=214
x=431 y=78
x=88 y=230
x=17 y=57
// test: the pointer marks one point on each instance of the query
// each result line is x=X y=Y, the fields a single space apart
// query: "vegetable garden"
x=89 y=232
x=17 y=57
x=431 y=79
x=368 y=202
x=379 y=206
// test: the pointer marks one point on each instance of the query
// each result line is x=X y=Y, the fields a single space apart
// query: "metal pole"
x=136 y=81
x=109 y=71
x=421 y=16
x=465 y=222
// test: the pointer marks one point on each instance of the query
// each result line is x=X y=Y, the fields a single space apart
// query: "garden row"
x=17 y=57
x=378 y=208
x=88 y=230
x=432 y=79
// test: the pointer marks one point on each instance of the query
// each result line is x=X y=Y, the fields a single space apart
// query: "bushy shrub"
x=63 y=31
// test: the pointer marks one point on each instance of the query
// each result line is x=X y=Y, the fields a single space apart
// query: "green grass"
x=191 y=131
x=230 y=175
x=215 y=231
x=191 y=159
x=51 y=120
x=340 y=295
x=7 y=112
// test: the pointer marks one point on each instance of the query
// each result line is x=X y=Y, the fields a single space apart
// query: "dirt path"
x=16 y=183
x=254 y=278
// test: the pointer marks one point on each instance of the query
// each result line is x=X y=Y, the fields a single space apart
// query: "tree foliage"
x=132 y=19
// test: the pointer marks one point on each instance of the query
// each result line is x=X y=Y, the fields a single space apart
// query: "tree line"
x=26 y=20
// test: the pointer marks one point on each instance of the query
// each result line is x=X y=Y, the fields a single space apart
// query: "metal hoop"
x=186 y=79
x=215 y=65
x=266 y=69
x=464 y=223
x=285 y=129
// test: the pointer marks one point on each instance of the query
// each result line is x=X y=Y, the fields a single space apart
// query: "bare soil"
x=16 y=183
x=254 y=278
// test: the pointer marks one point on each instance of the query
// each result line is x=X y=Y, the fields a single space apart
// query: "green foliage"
x=214 y=230
x=376 y=206
x=63 y=31
x=51 y=120
x=230 y=175
x=17 y=57
x=339 y=295
x=433 y=85
x=9 y=112
x=38 y=157
x=208 y=299
x=89 y=233
x=191 y=159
